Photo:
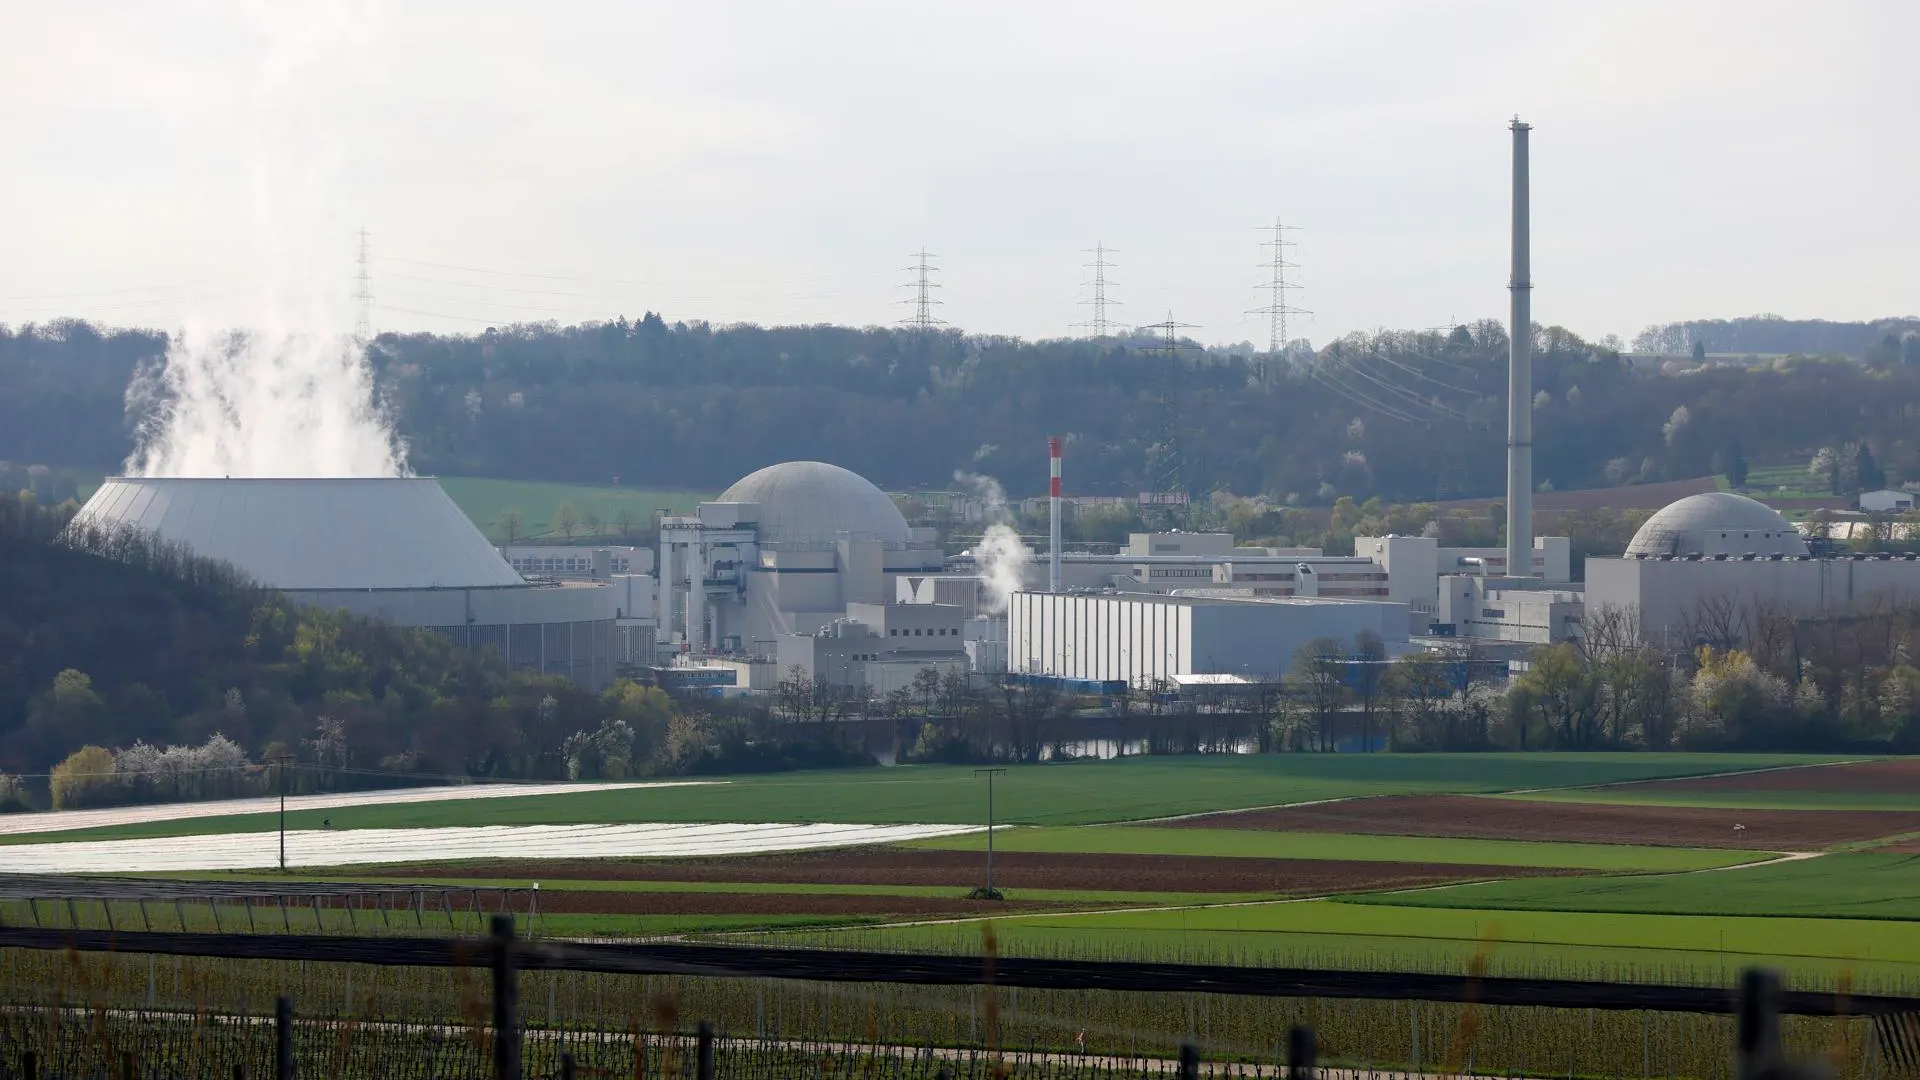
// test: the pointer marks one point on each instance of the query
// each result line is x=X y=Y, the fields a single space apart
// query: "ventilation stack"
x=1520 y=376
x=1053 y=518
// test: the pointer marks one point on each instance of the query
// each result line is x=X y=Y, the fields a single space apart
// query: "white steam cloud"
x=272 y=383
x=1001 y=556
x=258 y=403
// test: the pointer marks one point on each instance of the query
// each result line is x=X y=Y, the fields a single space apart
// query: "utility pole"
x=923 y=286
x=1099 y=326
x=1277 y=309
x=363 y=295
x=991 y=893
x=280 y=770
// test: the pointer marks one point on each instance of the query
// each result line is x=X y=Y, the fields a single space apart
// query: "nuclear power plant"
x=805 y=568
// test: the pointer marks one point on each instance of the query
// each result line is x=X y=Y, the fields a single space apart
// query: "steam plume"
x=273 y=385
x=1001 y=556
x=265 y=402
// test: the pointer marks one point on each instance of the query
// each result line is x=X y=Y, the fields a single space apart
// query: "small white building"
x=878 y=647
x=1525 y=610
x=1886 y=501
x=577 y=562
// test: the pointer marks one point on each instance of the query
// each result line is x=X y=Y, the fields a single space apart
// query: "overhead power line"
x=1322 y=375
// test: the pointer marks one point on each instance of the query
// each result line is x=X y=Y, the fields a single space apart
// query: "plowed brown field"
x=602 y=902
x=1898 y=776
x=1012 y=870
x=1592 y=823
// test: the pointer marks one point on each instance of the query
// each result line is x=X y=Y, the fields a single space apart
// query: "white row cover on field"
x=67 y=820
x=344 y=847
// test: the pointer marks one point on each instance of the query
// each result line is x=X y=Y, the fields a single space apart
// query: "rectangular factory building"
x=1138 y=637
x=1668 y=597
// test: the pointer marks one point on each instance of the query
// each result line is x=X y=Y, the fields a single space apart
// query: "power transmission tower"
x=1277 y=309
x=1174 y=472
x=923 y=301
x=363 y=295
x=1099 y=326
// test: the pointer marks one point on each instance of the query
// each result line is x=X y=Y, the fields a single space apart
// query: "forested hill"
x=1884 y=341
x=114 y=641
x=1401 y=416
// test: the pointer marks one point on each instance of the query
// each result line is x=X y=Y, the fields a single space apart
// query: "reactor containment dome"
x=813 y=503
x=1716 y=523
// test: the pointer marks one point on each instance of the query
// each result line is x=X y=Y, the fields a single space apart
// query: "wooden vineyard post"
x=1300 y=1053
x=506 y=993
x=703 y=1052
x=283 y=1038
x=1757 y=1045
x=1189 y=1062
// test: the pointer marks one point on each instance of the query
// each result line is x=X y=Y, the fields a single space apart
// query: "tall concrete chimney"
x=1053 y=506
x=1520 y=376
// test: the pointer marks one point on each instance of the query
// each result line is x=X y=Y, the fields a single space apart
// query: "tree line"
x=1401 y=416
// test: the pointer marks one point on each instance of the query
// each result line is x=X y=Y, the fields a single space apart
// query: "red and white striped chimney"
x=1053 y=524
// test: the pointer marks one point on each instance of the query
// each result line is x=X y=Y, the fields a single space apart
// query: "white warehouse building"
x=394 y=549
x=1141 y=638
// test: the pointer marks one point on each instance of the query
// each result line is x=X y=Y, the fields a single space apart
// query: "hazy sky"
x=778 y=162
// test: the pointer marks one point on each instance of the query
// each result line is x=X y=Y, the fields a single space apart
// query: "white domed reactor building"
x=802 y=564
x=396 y=549
x=1703 y=567
x=1717 y=523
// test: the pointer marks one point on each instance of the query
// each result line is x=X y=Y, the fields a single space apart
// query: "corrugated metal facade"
x=1139 y=637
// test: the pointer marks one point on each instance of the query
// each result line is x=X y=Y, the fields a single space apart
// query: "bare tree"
x=1371 y=653
x=1714 y=620
x=1317 y=677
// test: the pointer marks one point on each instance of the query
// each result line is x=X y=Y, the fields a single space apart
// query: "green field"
x=485 y=500
x=1783 y=482
x=1069 y=793
x=1126 y=840
x=1861 y=886
x=1323 y=933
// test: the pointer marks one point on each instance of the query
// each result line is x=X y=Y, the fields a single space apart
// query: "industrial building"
x=395 y=549
x=1731 y=552
x=1140 y=639
x=783 y=551
x=578 y=562
x=1406 y=570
